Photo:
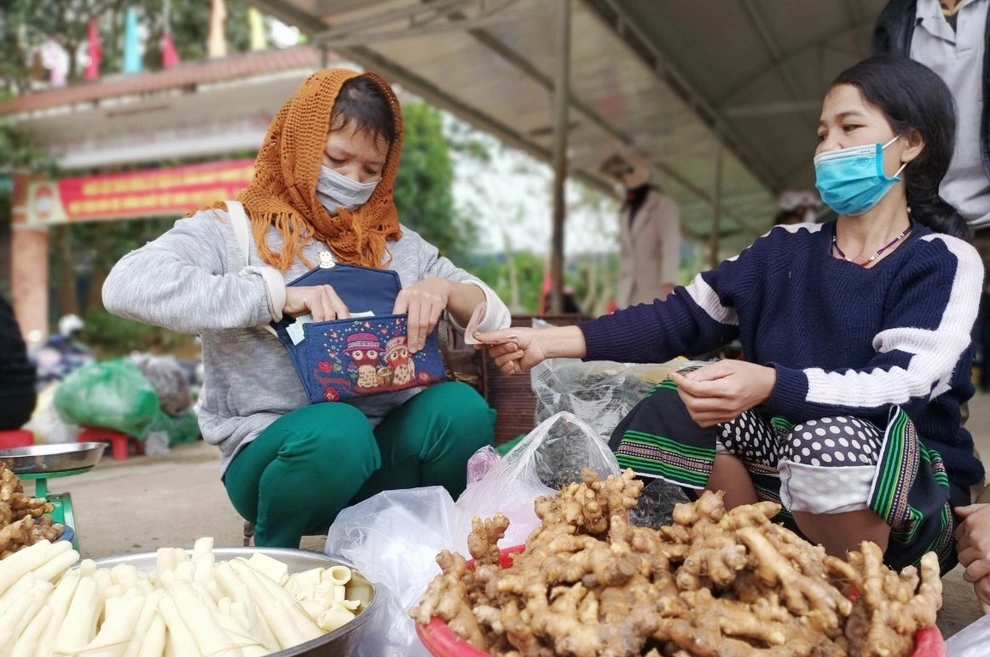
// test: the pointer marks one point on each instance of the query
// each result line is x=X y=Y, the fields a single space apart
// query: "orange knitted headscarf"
x=283 y=192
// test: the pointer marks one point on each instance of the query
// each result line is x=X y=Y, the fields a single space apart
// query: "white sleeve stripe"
x=936 y=352
x=706 y=298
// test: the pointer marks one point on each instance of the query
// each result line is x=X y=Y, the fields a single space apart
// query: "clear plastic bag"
x=971 y=641
x=481 y=462
x=548 y=459
x=393 y=538
x=600 y=393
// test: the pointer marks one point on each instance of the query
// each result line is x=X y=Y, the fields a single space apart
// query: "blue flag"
x=132 y=47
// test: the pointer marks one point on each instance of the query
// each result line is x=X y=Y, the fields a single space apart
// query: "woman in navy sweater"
x=856 y=337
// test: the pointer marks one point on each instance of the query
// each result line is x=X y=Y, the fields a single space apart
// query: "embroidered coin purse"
x=364 y=355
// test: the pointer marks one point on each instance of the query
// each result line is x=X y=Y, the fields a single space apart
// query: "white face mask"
x=337 y=191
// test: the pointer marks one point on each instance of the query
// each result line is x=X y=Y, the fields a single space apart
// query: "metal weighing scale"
x=43 y=462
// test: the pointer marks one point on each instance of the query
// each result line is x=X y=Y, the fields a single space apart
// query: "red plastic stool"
x=119 y=442
x=16 y=438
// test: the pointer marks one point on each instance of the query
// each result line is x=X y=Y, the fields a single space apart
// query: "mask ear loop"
x=884 y=147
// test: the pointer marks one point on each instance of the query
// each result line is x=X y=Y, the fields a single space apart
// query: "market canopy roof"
x=673 y=79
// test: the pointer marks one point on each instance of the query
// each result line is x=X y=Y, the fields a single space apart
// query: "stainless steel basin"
x=340 y=643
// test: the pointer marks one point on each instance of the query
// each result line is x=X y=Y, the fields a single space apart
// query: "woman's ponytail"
x=931 y=210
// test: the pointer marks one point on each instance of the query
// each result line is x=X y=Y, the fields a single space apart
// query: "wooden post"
x=560 y=127
x=713 y=238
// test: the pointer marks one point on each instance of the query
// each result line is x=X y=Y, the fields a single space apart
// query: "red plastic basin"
x=442 y=642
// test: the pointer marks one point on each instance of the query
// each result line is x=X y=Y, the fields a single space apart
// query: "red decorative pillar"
x=28 y=265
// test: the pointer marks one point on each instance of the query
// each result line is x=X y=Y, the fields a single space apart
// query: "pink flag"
x=546 y=292
x=95 y=51
x=170 y=57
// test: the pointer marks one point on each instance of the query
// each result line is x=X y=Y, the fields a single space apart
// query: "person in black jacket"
x=17 y=395
x=950 y=37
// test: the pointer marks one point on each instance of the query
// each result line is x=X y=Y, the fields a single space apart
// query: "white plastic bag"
x=971 y=641
x=393 y=538
x=548 y=459
x=47 y=427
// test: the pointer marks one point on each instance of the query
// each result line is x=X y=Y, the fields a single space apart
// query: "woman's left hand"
x=973 y=541
x=424 y=302
x=723 y=391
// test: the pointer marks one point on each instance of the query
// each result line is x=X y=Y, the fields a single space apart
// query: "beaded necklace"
x=860 y=260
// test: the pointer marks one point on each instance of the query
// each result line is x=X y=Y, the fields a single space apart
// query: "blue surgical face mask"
x=337 y=191
x=851 y=180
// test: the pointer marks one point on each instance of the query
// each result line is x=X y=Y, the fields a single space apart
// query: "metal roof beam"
x=420 y=30
x=390 y=16
x=433 y=94
x=786 y=57
x=615 y=18
x=524 y=65
x=418 y=85
x=770 y=43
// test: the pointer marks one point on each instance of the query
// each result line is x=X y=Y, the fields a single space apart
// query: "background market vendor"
x=322 y=190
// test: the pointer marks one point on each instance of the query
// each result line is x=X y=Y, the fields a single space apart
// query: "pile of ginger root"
x=23 y=519
x=715 y=583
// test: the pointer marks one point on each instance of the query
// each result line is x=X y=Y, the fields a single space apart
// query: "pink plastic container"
x=442 y=642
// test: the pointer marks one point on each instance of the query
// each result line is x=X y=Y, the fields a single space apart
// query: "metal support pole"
x=324 y=55
x=716 y=207
x=560 y=128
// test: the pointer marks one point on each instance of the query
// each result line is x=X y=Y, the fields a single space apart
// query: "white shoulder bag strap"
x=242 y=232
x=242 y=229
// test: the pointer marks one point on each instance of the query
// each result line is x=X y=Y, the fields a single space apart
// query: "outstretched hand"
x=514 y=350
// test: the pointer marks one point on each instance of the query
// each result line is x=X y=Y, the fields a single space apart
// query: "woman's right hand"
x=320 y=301
x=514 y=350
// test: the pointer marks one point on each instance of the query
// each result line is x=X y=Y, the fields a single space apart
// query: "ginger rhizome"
x=715 y=583
x=22 y=518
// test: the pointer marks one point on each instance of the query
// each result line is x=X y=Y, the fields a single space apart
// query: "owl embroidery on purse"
x=364 y=349
x=399 y=361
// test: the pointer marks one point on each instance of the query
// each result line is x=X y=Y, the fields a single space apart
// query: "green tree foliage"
x=496 y=271
x=423 y=189
x=18 y=151
x=26 y=24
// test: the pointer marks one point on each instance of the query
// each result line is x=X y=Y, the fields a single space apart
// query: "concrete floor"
x=143 y=503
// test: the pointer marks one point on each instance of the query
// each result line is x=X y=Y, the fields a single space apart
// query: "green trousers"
x=295 y=477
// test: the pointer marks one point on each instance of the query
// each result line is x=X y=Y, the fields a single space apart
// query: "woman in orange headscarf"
x=322 y=194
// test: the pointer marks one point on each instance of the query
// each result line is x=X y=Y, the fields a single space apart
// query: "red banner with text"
x=149 y=193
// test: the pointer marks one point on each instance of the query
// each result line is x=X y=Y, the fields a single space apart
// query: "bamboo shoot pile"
x=189 y=606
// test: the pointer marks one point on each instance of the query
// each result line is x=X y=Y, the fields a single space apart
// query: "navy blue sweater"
x=844 y=340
